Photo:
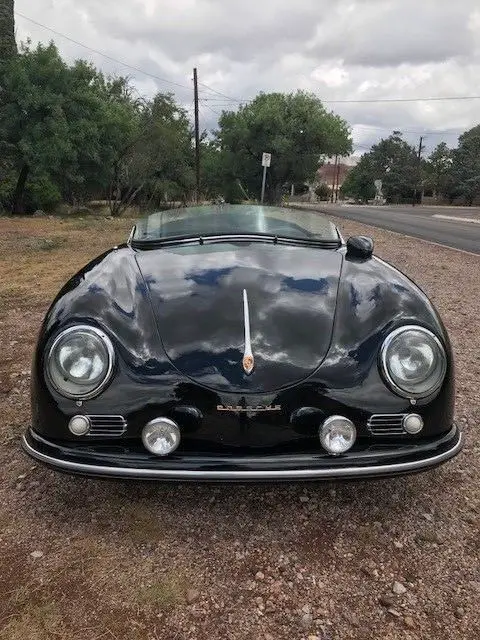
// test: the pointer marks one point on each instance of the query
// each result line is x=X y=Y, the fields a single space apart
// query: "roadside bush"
x=41 y=193
x=322 y=191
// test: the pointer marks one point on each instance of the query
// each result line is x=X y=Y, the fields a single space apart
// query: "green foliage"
x=359 y=182
x=323 y=191
x=212 y=176
x=68 y=132
x=437 y=171
x=32 y=124
x=465 y=171
x=8 y=47
x=157 y=161
x=455 y=173
x=394 y=162
x=294 y=127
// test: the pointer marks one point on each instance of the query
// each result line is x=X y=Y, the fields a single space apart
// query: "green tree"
x=8 y=46
x=212 y=176
x=322 y=191
x=359 y=182
x=465 y=171
x=157 y=161
x=60 y=126
x=394 y=162
x=33 y=123
x=438 y=170
x=295 y=128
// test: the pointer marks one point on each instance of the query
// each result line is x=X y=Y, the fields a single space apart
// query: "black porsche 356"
x=242 y=343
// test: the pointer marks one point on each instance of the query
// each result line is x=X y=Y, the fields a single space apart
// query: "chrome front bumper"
x=401 y=459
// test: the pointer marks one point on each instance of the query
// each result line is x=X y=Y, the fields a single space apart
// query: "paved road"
x=420 y=222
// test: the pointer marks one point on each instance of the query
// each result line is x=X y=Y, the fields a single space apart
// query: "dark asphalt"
x=418 y=222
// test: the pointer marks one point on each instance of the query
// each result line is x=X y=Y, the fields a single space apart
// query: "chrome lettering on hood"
x=240 y=409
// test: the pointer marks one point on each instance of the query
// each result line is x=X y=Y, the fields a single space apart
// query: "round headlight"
x=413 y=361
x=161 y=436
x=80 y=362
x=337 y=435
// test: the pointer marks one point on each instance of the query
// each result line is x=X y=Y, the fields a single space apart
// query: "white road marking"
x=456 y=218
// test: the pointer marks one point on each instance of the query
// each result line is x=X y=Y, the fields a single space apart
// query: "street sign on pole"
x=266 y=161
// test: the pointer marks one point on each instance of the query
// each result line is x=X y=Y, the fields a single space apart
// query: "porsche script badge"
x=248 y=361
x=240 y=409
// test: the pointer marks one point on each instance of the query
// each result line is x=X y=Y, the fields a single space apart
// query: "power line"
x=229 y=98
x=367 y=100
x=386 y=100
x=217 y=113
x=402 y=130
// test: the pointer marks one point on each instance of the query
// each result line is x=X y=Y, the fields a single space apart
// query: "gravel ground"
x=106 y=560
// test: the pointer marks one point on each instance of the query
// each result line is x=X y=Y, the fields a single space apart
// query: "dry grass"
x=118 y=557
x=37 y=256
x=40 y=622
x=140 y=524
x=164 y=593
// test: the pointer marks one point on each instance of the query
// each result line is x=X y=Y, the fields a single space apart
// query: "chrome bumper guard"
x=176 y=472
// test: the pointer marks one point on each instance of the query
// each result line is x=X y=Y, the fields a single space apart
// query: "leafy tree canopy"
x=465 y=170
x=8 y=47
x=81 y=134
x=438 y=171
x=295 y=128
x=394 y=162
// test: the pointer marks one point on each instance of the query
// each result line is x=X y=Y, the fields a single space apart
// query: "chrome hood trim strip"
x=248 y=361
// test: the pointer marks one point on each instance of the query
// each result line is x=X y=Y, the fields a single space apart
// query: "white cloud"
x=330 y=75
x=343 y=50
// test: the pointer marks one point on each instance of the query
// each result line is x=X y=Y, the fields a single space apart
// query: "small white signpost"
x=266 y=159
x=266 y=162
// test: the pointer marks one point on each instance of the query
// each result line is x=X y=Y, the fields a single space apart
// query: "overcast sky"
x=339 y=49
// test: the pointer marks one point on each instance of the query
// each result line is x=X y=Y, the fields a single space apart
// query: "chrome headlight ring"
x=53 y=370
x=433 y=342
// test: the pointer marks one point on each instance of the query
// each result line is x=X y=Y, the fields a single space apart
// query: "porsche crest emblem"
x=248 y=361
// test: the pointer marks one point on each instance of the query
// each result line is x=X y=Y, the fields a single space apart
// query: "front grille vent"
x=386 y=424
x=107 y=426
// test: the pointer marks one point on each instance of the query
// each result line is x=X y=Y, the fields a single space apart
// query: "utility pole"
x=338 y=178
x=197 y=137
x=333 y=179
x=419 y=166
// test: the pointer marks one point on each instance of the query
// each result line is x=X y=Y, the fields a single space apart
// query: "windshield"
x=237 y=220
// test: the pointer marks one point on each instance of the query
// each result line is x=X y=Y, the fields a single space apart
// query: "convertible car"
x=242 y=343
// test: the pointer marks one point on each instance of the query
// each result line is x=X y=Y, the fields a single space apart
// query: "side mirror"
x=359 y=247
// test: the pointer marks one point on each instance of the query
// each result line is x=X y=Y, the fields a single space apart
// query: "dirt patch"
x=114 y=560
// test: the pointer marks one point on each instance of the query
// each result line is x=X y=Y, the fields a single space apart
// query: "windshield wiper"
x=238 y=237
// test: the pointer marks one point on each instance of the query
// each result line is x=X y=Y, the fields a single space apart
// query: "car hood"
x=197 y=298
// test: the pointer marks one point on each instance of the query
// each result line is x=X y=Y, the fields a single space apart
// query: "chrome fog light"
x=413 y=423
x=337 y=435
x=161 y=436
x=79 y=425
